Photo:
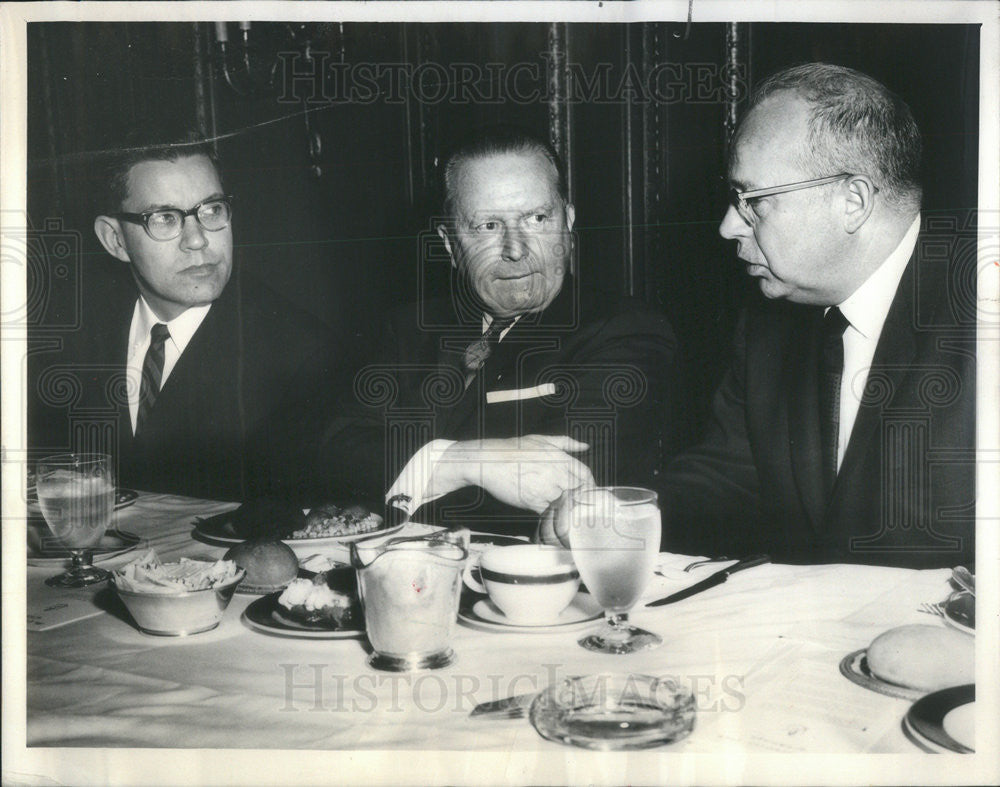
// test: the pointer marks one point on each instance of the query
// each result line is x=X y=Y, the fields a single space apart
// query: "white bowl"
x=179 y=614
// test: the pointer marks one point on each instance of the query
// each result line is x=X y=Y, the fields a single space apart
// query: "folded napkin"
x=51 y=609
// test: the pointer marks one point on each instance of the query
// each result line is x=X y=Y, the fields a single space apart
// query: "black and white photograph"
x=500 y=393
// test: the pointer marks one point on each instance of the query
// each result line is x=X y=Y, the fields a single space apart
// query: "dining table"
x=762 y=654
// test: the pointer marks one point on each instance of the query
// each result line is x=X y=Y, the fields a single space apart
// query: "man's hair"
x=497 y=141
x=137 y=149
x=856 y=125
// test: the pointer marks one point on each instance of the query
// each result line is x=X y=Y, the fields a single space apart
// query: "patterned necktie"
x=831 y=369
x=152 y=374
x=481 y=349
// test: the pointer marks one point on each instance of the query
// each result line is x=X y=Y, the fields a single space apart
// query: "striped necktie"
x=152 y=374
x=481 y=349
x=831 y=369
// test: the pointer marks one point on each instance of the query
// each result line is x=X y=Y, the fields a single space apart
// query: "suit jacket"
x=601 y=373
x=905 y=492
x=225 y=424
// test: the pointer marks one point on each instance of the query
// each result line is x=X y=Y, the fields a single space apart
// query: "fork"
x=932 y=609
x=689 y=566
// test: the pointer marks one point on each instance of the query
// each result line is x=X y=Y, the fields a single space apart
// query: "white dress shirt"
x=865 y=310
x=181 y=328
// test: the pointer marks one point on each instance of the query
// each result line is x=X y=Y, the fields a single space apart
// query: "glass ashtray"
x=614 y=712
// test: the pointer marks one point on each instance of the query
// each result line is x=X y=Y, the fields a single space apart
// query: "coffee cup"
x=530 y=583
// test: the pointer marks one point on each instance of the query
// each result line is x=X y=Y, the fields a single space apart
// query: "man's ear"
x=570 y=215
x=109 y=233
x=442 y=231
x=860 y=202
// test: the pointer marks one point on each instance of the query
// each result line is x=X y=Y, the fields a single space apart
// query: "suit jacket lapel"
x=803 y=414
x=450 y=355
x=893 y=355
x=198 y=352
x=505 y=359
x=115 y=348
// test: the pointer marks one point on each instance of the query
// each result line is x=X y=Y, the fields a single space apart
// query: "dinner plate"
x=219 y=530
x=924 y=723
x=484 y=615
x=265 y=615
x=113 y=543
x=854 y=667
x=123 y=499
x=960 y=612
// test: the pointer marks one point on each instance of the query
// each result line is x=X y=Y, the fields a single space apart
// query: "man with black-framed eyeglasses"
x=844 y=429
x=200 y=370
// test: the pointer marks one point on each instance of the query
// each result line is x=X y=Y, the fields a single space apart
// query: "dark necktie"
x=831 y=369
x=152 y=374
x=481 y=349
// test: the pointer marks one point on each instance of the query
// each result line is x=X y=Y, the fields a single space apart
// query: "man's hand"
x=553 y=529
x=527 y=472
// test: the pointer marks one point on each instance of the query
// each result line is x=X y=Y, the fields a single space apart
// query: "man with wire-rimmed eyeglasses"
x=844 y=428
x=197 y=364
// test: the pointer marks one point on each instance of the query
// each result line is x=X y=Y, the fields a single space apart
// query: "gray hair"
x=496 y=141
x=856 y=125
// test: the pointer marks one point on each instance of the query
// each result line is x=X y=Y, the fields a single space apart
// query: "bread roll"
x=270 y=564
x=926 y=658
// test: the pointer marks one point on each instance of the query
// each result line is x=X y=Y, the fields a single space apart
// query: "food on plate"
x=270 y=564
x=315 y=602
x=331 y=520
x=267 y=517
x=147 y=574
x=922 y=657
x=319 y=563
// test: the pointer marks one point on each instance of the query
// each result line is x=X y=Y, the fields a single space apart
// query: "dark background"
x=345 y=231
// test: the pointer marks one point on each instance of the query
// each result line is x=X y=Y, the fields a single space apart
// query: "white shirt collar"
x=866 y=308
x=181 y=328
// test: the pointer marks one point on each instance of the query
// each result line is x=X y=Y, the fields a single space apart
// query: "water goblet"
x=614 y=535
x=76 y=493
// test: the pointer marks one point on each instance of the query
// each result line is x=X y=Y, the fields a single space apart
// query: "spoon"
x=964 y=578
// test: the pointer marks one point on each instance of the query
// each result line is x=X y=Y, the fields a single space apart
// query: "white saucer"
x=582 y=611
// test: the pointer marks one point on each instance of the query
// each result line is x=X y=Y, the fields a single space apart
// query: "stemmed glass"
x=76 y=493
x=614 y=534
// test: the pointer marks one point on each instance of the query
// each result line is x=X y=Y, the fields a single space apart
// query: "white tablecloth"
x=761 y=652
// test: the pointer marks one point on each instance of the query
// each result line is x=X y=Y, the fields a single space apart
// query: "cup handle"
x=472 y=581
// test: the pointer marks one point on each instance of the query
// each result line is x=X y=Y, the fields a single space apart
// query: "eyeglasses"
x=166 y=224
x=741 y=200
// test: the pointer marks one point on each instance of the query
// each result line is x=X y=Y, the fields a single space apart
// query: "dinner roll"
x=270 y=564
x=926 y=658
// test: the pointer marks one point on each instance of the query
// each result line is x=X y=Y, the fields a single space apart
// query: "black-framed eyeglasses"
x=742 y=200
x=166 y=224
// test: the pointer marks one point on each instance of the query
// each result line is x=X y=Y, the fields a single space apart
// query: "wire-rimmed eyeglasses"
x=742 y=200
x=166 y=223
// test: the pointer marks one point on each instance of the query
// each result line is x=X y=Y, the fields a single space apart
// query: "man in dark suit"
x=844 y=430
x=190 y=381
x=479 y=392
